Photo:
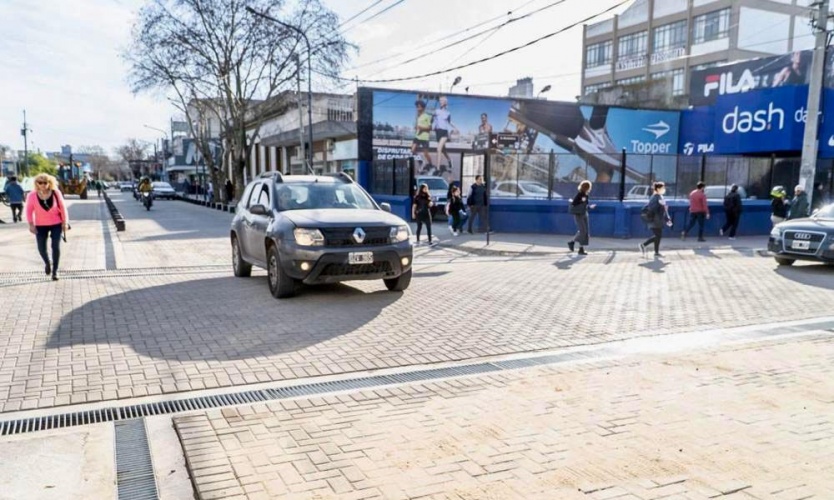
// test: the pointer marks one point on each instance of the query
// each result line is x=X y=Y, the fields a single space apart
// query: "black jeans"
x=480 y=211
x=423 y=219
x=700 y=219
x=657 y=235
x=732 y=224
x=17 y=212
x=44 y=232
x=457 y=222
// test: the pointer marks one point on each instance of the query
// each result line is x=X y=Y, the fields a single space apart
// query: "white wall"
x=763 y=31
x=636 y=14
x=668 y=7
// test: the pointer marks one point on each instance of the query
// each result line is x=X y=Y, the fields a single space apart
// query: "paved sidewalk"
x=739 y=421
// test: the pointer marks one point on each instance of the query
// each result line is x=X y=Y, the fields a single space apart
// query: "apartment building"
x=656 y=44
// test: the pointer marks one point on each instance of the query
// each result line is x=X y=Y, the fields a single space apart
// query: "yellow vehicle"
x=72 y=180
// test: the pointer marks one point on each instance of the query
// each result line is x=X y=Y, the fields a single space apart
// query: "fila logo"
x=725 y=84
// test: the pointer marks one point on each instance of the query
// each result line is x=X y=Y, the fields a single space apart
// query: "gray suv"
x=315 y=230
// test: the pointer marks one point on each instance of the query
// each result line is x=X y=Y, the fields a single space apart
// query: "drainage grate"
x=117 y=414
x=134 y=468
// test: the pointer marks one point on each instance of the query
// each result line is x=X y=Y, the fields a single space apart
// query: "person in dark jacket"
x=230 y=191
x=477 y=203
x=732 y=210
x=421 y=211
x=778 y=207
x=659 y=217
x=454 y=207
x=799 y=204
x=15 y=193
x=579 y=209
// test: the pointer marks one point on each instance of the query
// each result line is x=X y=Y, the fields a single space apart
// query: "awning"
x=182 y=168
x=321 y=131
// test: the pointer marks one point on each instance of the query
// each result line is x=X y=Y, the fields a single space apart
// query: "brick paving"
x=113 y=336
x=743 y=422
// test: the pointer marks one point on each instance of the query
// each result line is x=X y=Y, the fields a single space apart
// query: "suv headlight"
x=776 y=233
x=308 y=237
x=400 y=234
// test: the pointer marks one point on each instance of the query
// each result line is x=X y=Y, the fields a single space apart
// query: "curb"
x=208 y=204
x=117 y=216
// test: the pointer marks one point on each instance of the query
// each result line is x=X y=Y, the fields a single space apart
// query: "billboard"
x=434 y=129
x=707 y=85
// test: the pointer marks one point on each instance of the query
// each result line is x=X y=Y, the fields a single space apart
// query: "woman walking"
x=48 y=218
x=579 y=209
x=656 y=215
x=421 y=211
x=454 y=209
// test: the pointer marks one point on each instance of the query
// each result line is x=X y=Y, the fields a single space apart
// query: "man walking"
x=15 y=193
x=732 y=209
x=477 y=203
x=698 y=211
x=799 y=204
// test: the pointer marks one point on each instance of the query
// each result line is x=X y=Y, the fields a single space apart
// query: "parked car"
x=163 y=190
x=306 y=229
x=438 y=189
x=125 y=186
x=811 y=238
x=523 y=189
x=639 y=192
x=715 y=193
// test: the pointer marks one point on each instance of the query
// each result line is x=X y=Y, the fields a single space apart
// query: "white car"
x=719 y=192
x=438 y=189
x=639 y=192
x=523 y=189
x=163 y=190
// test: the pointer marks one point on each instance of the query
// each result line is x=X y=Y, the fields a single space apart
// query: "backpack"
x=646 y=214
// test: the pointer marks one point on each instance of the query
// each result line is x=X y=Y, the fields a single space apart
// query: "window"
x=669 y=36
x=633 y=45
x=253 y=197
x=263 y=197
x=711 y=26
x=632 y=80
x=676 y=77
x=592 y=89
x=598 y=54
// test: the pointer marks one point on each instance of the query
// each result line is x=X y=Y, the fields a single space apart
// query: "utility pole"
x=25 y=133
x=302 y=152
x=808 y=166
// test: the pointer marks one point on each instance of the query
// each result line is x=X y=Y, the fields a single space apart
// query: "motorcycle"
x=147 y=200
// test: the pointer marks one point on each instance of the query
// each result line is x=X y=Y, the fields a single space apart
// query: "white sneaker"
x=455 y=233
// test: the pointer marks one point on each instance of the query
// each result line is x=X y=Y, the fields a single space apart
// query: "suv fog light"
x=405 y=261
x=305 y=266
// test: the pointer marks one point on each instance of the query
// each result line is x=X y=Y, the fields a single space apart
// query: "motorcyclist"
x=145 y=187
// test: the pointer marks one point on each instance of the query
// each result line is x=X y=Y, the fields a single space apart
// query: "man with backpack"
x=698 y=211
x=732 y=209
x=477 y=203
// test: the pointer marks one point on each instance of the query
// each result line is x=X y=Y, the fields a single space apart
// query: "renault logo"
x=802 y=236
x=359 y=235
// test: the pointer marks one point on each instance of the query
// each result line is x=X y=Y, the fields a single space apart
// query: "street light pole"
x=163 y=175
x=309 y=78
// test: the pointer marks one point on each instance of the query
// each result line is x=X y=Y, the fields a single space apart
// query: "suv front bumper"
x=330 y=265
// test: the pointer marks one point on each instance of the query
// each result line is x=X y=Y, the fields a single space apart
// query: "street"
x=155 y=311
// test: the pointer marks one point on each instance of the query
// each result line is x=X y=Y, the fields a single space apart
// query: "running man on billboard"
x=443 y=128
x=422 y=134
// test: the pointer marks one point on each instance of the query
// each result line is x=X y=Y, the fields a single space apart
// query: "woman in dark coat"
x=421 y=211
x=579 y=209
x=658 y=217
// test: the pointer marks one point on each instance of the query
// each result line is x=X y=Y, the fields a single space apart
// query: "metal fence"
x=615 y=177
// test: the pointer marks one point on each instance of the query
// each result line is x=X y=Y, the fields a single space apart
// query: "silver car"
x=318 y=229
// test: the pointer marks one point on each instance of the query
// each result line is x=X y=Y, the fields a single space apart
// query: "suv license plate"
x=801 y=245
x=361 y=258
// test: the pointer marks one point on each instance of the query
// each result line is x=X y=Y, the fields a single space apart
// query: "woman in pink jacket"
x=48 y=217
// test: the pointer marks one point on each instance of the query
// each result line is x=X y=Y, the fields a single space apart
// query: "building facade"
x=646 y=54
x=522 y=88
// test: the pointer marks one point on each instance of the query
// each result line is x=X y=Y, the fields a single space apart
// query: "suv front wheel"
x=281 y=286
x=400 y=283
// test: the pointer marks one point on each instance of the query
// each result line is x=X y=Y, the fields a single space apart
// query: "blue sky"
x=60 y=61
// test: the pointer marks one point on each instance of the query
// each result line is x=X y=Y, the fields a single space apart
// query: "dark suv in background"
x=315 y=230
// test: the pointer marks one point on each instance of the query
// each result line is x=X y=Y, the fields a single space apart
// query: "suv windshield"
x=826 y=212
x=320 y=195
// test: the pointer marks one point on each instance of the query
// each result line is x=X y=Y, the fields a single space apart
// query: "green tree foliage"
x=39 y=164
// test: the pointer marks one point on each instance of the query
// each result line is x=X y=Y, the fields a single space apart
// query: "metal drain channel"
x=138 y=411
x=134 y=468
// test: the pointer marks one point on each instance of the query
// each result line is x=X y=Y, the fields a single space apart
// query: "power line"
x=441 y=39
x=475 y=35
x=500 y=54
x=383 y=11
x=366 y=9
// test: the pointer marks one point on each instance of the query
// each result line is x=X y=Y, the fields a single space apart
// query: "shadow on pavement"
x=568 y=262
x=656 y=265
x=219 y=319
x=812 y=274
x=706 y=252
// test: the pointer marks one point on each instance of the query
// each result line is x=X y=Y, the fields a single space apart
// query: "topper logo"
x=753 y=121
x=723 y=83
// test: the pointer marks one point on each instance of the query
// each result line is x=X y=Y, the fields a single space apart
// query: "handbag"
x=579 y=209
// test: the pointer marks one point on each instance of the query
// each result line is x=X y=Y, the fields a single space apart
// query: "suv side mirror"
x=386 y=207
x=257 y=210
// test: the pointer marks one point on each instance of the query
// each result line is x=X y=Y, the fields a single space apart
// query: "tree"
x=98 y=159
x=39 y=164
x=133 y=149
x=220 y=62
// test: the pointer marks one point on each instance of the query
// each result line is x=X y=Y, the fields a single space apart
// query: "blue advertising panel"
x=588 y=140
x=761 y=121
x=826 y=144
x=697 y=131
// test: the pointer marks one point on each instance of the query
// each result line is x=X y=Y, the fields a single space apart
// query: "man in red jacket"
x=698 y=211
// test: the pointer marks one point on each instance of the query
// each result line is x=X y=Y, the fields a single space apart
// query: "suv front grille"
x=813 y=239
x=343 y=237
x=356 y=269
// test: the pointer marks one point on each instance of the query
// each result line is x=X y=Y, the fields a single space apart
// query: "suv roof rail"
x=341 y=175
x=277 y=176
